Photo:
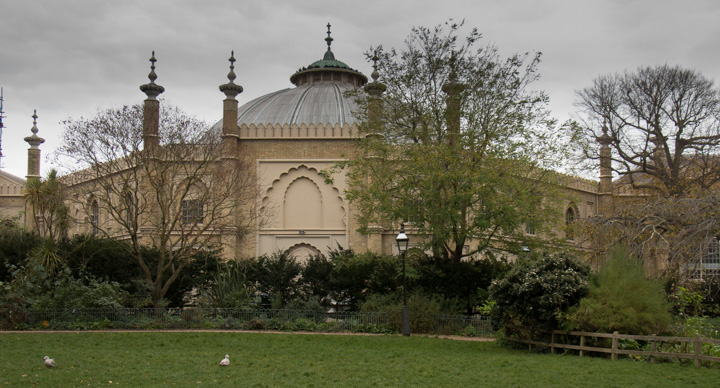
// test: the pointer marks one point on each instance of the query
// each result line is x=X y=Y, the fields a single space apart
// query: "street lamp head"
x=402 y=240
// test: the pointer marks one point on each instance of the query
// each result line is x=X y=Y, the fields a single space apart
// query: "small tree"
x=459 y=145
x=538 y=289
x=46 y=200
x=179 y=197
x=622 y=299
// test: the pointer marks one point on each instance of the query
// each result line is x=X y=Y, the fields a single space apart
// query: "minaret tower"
x=151 y=111
x=1 y=124
x=374 y=89
x=606 y=185
x=230 y=129
x=34 y=140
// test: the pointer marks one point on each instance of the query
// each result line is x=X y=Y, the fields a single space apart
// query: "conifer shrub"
x=622 y=298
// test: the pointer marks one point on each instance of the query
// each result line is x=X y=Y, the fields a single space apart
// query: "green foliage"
x=47 y=206
x=277 y=276
x=538 y=289
x=622 y=299
x=228 y=288
x=422 y=309
x=466 y=281
x=464 y=148
x=15 y=246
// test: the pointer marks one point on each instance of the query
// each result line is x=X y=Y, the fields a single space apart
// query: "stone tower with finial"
x=453 y=89
x=33 y=161
x=375 y=113
x=605 y=205
x=230 y=129
x=2 y=115
x=151 y=109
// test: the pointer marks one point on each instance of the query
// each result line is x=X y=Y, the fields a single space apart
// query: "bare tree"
x=178 y=197
x=662 y=125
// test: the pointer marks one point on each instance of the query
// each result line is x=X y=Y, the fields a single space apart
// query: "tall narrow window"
x=94 y=218
x=570 y=224
x=192 y=211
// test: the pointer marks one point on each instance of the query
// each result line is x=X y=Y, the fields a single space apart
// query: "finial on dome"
x=152 y=90
x=231 y=89
x=329 y=39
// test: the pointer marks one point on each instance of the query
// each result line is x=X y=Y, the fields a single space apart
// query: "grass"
x=142 y=359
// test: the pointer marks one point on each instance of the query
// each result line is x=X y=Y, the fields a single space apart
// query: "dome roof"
x=313 y=103
x=318 y=98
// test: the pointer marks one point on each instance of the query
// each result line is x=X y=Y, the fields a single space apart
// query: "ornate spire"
x=152 y=90
x=34 y=140
x=375 y=88
x=375 y=75
x=604 y=139
x=329 y=56
x=231 y=89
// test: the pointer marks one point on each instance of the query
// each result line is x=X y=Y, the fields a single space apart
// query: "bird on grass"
x=49 y=362
x=225 y=361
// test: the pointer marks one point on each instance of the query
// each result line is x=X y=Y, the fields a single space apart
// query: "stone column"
x=33 y=160
x=151 y=109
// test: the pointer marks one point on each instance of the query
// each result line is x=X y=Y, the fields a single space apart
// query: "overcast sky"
x=67 y=58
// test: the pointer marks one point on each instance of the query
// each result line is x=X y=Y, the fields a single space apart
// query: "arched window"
x=570 y=224
x=94 y=218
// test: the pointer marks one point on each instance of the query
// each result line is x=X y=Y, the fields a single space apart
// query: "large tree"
x=662 y=127
x=178 y=197
x=458 y=145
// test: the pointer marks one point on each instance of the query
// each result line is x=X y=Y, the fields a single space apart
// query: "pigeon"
x=225 y=361
x=49 y=362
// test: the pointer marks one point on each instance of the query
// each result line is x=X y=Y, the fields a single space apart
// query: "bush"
x=422 y=310
x=537 y=290
x=622 y=299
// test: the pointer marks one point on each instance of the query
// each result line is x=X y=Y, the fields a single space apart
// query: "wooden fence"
x=659 y=346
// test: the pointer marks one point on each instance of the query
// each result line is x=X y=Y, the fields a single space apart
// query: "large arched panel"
x=302 y=207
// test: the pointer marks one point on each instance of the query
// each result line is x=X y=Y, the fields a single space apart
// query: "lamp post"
x=402 y=244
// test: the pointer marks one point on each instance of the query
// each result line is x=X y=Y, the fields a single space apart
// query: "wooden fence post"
x=698 y=350
x=614 y=355
x=552 y=343
x=582 y=344
x=653 y=349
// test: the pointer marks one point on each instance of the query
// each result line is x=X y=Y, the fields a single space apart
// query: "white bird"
x=49 y=362
x=225 y=361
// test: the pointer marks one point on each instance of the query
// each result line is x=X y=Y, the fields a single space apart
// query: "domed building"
x=294 y=135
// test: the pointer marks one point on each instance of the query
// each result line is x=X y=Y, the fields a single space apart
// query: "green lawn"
x=140 y=359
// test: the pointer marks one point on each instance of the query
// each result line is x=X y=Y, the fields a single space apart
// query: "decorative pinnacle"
x=231 y=75
x=152 y=76
x=152 y=90
x=375 y=75
x=329 y=39
x=230 y=89
x=605 y=139
x=34 y=140
x=34 y=128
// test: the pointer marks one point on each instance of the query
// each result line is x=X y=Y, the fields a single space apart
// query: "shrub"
x=538 y=289
x=277 y=276
x=622 y=299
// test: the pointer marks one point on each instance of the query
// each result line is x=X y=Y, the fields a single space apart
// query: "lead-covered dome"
x=320 y=97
